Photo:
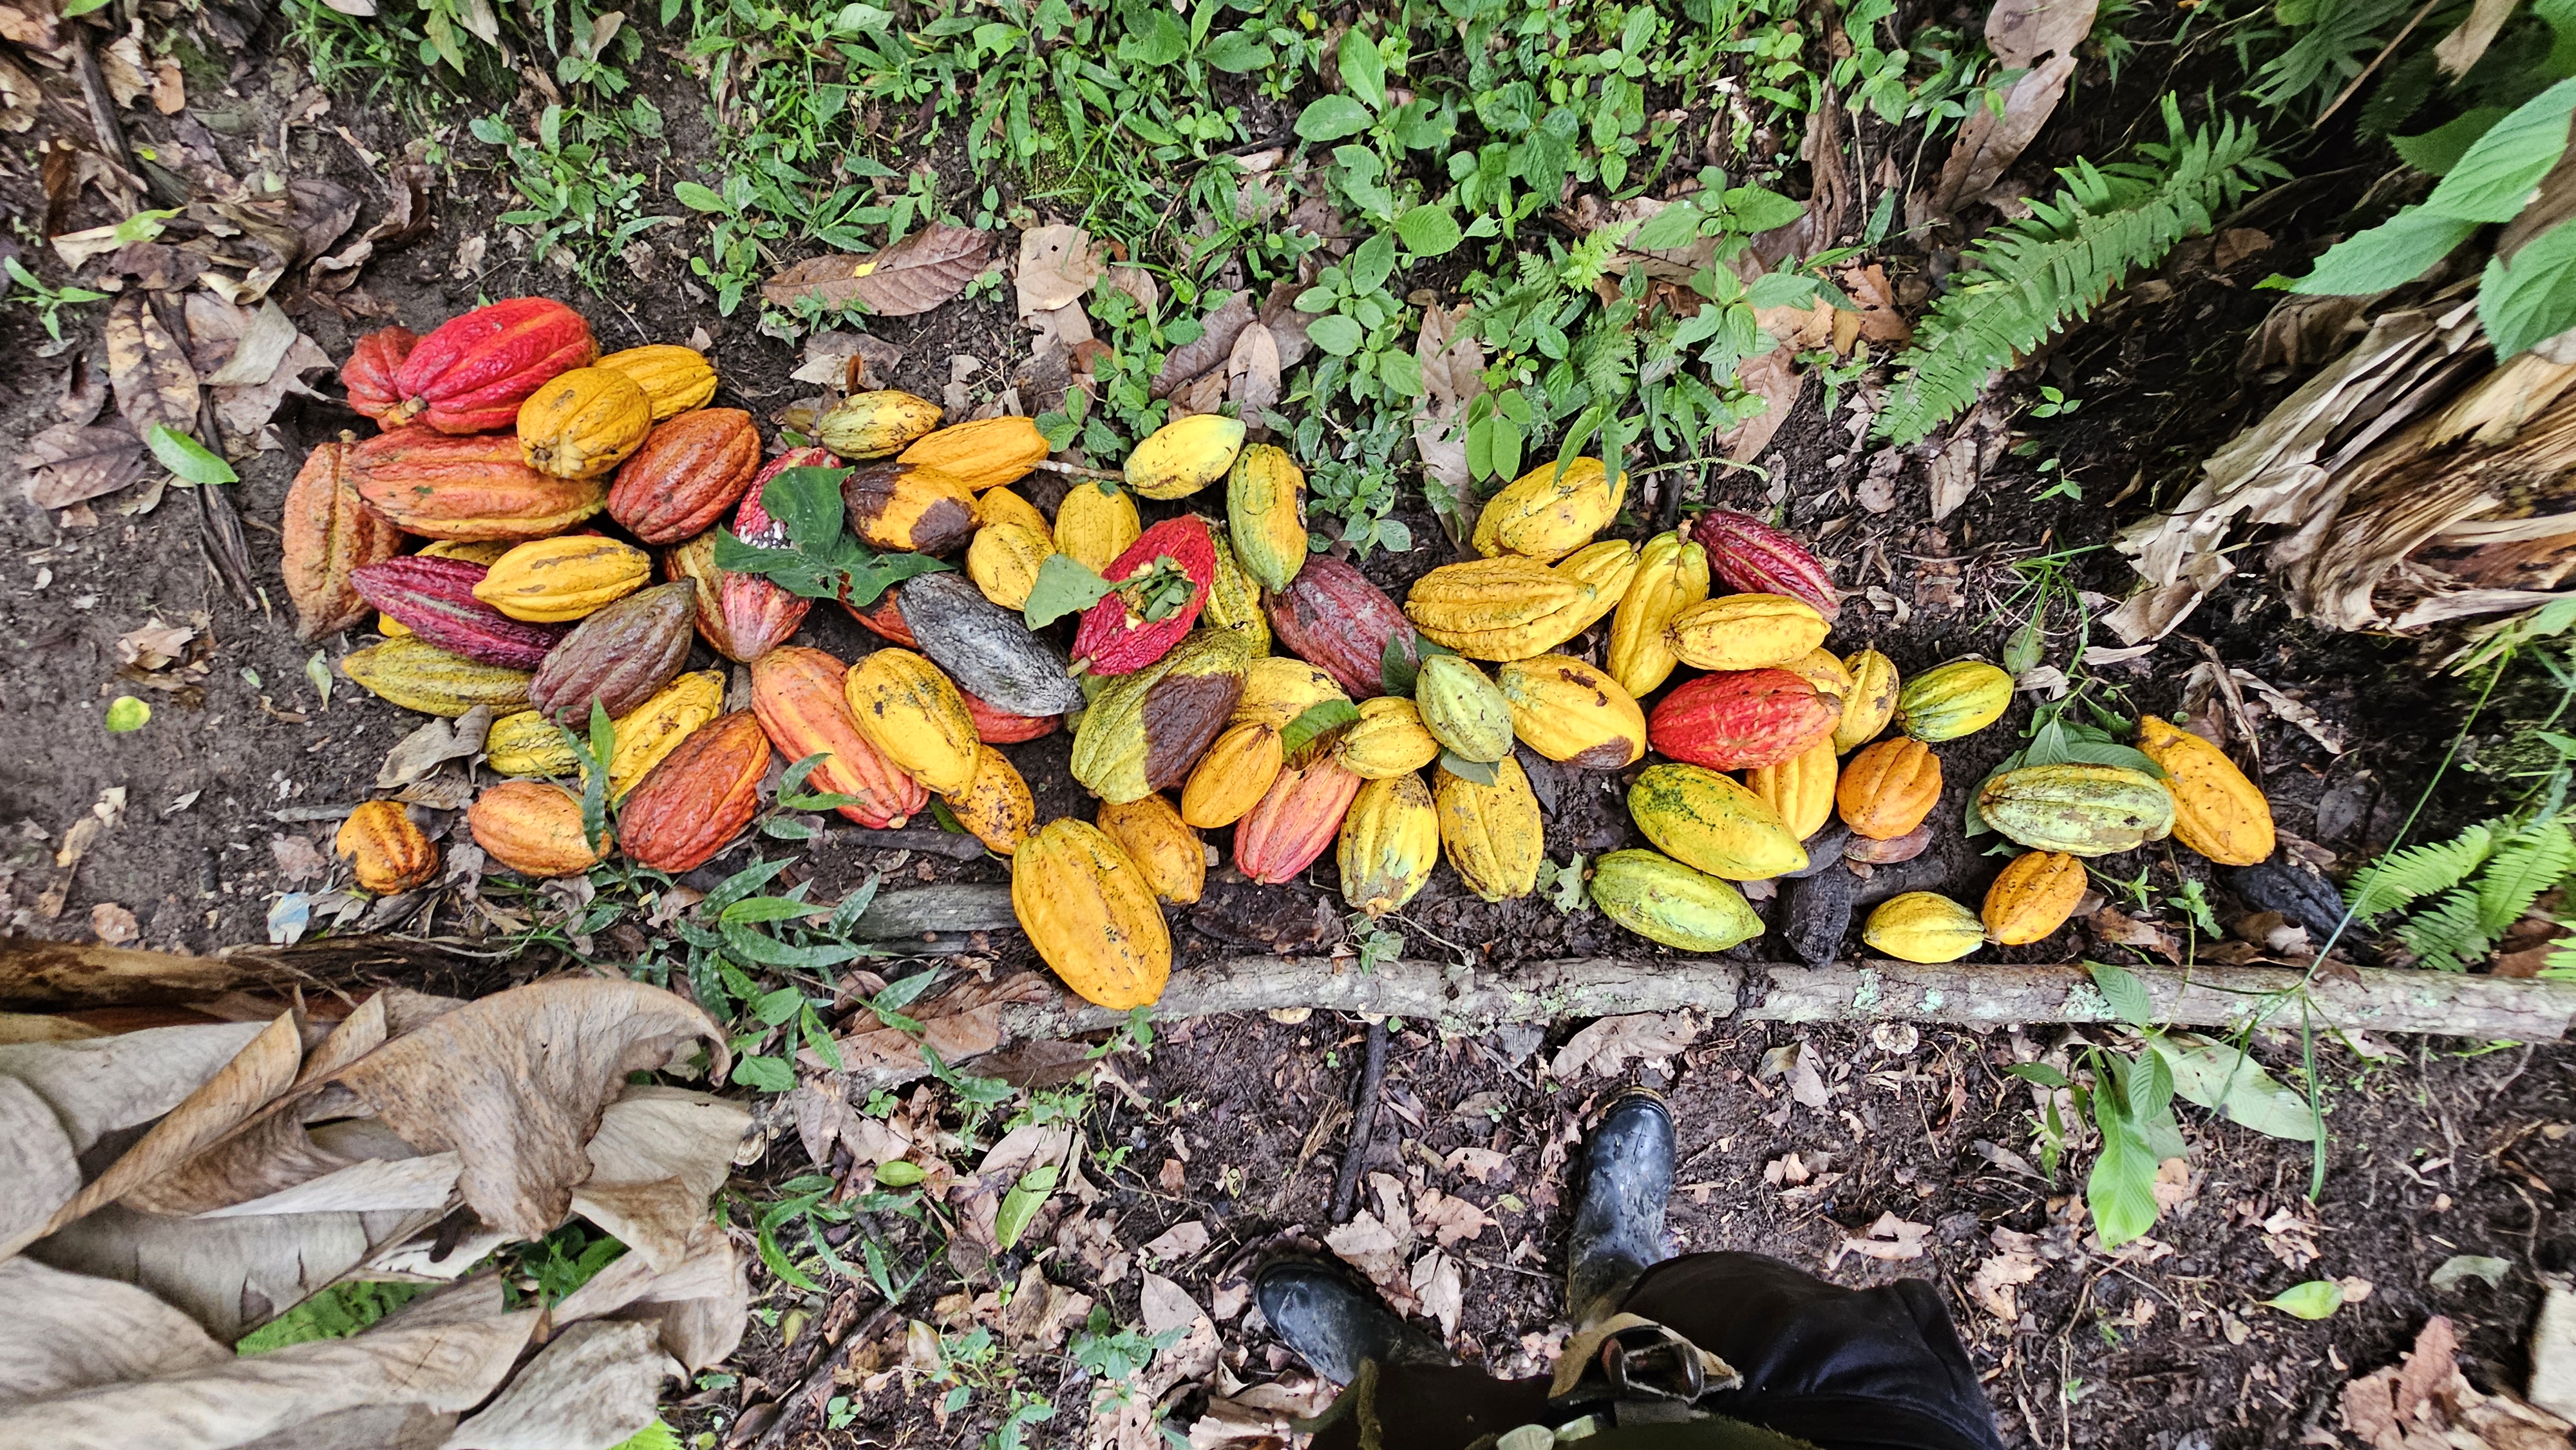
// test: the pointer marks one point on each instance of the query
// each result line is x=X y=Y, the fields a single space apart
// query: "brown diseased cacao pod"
x=390 y=853
x=467 y=488
x=434 y=598
x=689 y=471
x=699 y=798
x=534 y=828
x=1332 y=616
x=1755 y=558
x=985 y=648
x=618 y=657
x=796 y=695
x=326 y=534
x=902 y=506
x=1741 y=719
x=472 y=373
x=368 y=375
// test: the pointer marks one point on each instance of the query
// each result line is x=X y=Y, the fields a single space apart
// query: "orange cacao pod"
x=471 y=374
x=442 y=487
x=796 y=694
x=742 y=616
x=699 y=798
x=1889 y=788
x=1000 y=727
x=534 y=828
x=884 y=619
x=893 y=505
x=689 y=471
x=368 y=375
x=1161 y=844
x=1742 y=719
x=986 y=453
x=1297 y=820
x=2033 y=897
x=390 y=853
x=328 y=533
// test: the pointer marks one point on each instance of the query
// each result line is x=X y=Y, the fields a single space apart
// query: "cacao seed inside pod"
x=2217 y=810
x=1276 y=690
x=583 y=423
x=1672 y=575
x=1265 y=515
x=1234 y=601
x=1000 y=727
x=1004 y=560
x=1503 y=608
x=1800 y=788
x=1184 y=455
x=699 y=797
x=1869 y=704
x=986 y=648
x=1889 y=788
x=467 y=487
x=1091 y=915
x=913 y=714
x=797 y=695
x=1333 y=617
x=1390 y=841
x=1161 y=845
x=1388 y=741
x=534 y=828
x=1493 y=834
x=617 y=657
x=655 y=728
x=434 y=599
x=1956 y=699
x=1745 y=632
x=418 y=675
x=995 y=805
x=986 y=453
x=689 y=472
x=2033 y=897
x=1146 y=730
x=1573 y=712
x=675 y=379
x=1161 y=585
x=1707 y=820
x=388 y=852
x=1752 y=557
x=1095 y=524
x=2081 y=810
x=472 y=372
x=1233 y=776
x=368 y=375
x=326 y=534
x=1463 y=710
x=902 y=506
x=876 y=425
x=552 y=581
x=1293 y=822
x=1741 y=719
x=1001 y=506
x=1923 y=926
x=1550 y=511
x=1667 y=902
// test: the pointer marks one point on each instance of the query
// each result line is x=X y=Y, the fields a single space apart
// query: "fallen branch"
x=1346 y=1184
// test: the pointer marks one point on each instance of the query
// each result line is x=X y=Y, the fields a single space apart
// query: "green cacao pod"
x=2082 y=810
x=1463 y=709
x=1704 y=819
x=1665 y=901
x=1266 y=516
x=1959 y=698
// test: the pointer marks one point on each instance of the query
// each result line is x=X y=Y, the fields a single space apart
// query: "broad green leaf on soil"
x=1363 y=69
x=2235 y=1087
x=1757 y=209
x=1337 y=335
x=1330 y=118
x=699 y=198
x=1316 y=720
x=1670 y=229
x=2391 y=254
x=2126 y=994
x=807 y=503
x=126 y=714
x=1021 y=1204
x=656 y=1436
x=1372 y=264
x=2436 y=151
x=2531 y=298
x=765 y=1074
x=1429 y=231
x=188 y=458
x=2458 y=1269
x=1238 y=52
x=2315 y=1299
x=1064 y=585
x=2500 y=172
x=2121 y=1190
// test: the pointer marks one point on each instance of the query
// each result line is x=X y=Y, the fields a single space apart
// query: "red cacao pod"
x=618 y=656
x=1294 y=822
x=1000 y=727
x=467 y=488
x=884 y=619
x=689 y=471
x=1116 y=637
x=700 y=797
x=327 y=533
x=471 y=374
x=434 y=598
x=1741 y=719
x=368 y=375
x=1755 y=558
x=1332 y=617
x=796 y=693
x=742 y=616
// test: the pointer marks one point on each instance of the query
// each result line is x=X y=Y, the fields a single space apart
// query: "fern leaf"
x=2418 y=871
x=2521 y=869
x=2446 y=936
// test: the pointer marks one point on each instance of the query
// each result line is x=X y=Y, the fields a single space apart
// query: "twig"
x=102 y=111
x=1346 y=1187
x=2367 y=71
x=929 y=841
x=1076 y=470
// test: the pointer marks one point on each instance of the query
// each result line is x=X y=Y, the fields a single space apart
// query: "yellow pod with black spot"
x=1279 y=688
x=1389 y=740
x=1493 y=834
x=1001 y=506
x=995 y=804
x=914 y=716
x=1233 y=776
x=1550 y=511
x=572 y=576
x=1871 y=701
x=1004 y=561
x=1572 y=711
x=878 y=424
x=1923 y=926
x=907 y=508
x=1234 y=600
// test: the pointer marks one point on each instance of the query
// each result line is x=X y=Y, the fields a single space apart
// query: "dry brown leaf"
x=1889 y=1240
x=1252 y=372
x=1989 y=143
x=1057 y=266
x=433 y=745
x=70 y=1332
x=1366 y=1244
x=913 y=276
x=1189 y=361
x=699 y=1305
x=1775 y=376
x=229 y=1274
x=660 y=1154
x=69 y=464
x=1450 y=1221
x=2019 y=32
x=2427 y=1402
x=1879 y=320
x=2463 y=47
x=1952 y=474
x=1607 y=1045
x=2012 y=1265
x=150 y=371
x=20 y=98
x=962 y=1022
x=595 y=1384
x=1436 y=1282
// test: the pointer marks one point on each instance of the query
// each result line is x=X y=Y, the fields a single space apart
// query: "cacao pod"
x=1332 y=616
x=1390 y=841
x=1265 y=514
x=1923 y=926
x=674 y=379
x=434 y=599
x=467 y=488
x=2033 y=897
x=986 y=648
x=1233 y=776
x=327 y=533
x=1160 y=585
x=1745 y=632
x=1493 y=834
x=688 y=473
x=1146 y=730
x=388 y=852
x=471 y=373
x=1572 y=711
x=368 y=375
x=1184 y=455
x=1669 y=903
x=1800 y=788
x=618 y=657
x=1741 y=719
x=1952 y=700
x=701 y=796
x=1463 y=710
x=1672 y=575
x=2082 y=810
x=1889 y=788
x=741 y=616
x=1004 y=560
x=1819 y=668
x=876 y=425
x=1707 y=820
x=534 y=828
x=1234 y=601
x=986 y=453
x=552 y=581
x=655 y=728
x=1091 y=915
x=797 y=696
x=1752 y=557
x=1001 y=506
x=486 y=552
x=901 y=506
x=1609 y=566
x=1550 y=511
x=418 y=675
x=1276 y=690
x=1293 y=822
x=1388 y=741
x=1095 y=524
x=1161 y=845
x=913 y=714
x=884 y=619
x=1000 y=727
x=1503 y=608
x=526 y=743
x=995 y=805
x=2217 y=811
x=1871 y=702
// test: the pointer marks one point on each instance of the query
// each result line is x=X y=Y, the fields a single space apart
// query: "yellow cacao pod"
x=2033 y=897
x=1091 y=915
x=1233 y=776
x=1923 y=926
x=655 y=728
x=1001 y=506
x=1146 y=730
x=914 y=716
x=1171 y=856
x=1819 y=668
x=583 y=423
x=389 y=853
x=1549 y=512
x=526 y=743
x=1389 y=740
x=1609 y=567
x=1672 y=575
x=534 y=828
x=2082 y=810
x=571 y=577
x=1568 y=710
x=1279 y=688
x=1096 y=526
x=1390 y=841
x=1665 y=901
x=1959 y=698
x=1493 y=834
x=875 y=425
x=1709 y=821
x=675 y=379
x=1504 y=608
x=986 y=453
x=423 y=677
x=1266 y=515
x=1234 y=600
x=1004 y=560
x=1800 y=788
x=1870 y=702
x=995 y=804
x=1745 y=632
x=2217 y=811
x=1184 y=455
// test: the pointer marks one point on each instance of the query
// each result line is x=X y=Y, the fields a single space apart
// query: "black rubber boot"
x=1619 y=1228
x=1333 y=1323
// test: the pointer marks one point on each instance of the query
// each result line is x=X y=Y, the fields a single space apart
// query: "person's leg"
x=1421 y=1400
x=1627 y=1173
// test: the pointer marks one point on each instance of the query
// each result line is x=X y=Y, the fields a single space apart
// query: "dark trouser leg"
x=1426 y=1407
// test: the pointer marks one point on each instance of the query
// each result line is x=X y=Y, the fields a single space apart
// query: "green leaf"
x=1021 y=1204
x=1477 y=772
x=1780 y=289
x=126 y=714
x=1395 y=664
x=2315 y=1299
x=317 y=673
x=1758 y=209
x=2040 y=1073
x=1674 y=227
x=2436 y=151
x=699 y=198
x=2500 y=172
x=752 y=910
x=2391 y=254
x=2121 y=1189
x=772 y=1009
x=188 y=458
x=2224 y=1080
x=1336 y=335
x=1429 y=231
x=901 y=1173
x=655 y=1436
x=2458 y=1269
x=1363 y=69
x=74 y=8
x=1238 y=52
x=1372 y=264
x=1064 y=585
x=1315 y=720
x=2529 y=298
x=807 y=503
x=764 y=1074
x=1330 y=118
x=2126 y=994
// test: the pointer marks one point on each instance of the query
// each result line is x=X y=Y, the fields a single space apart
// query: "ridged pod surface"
x=1146 y=730
x=1003 y=561
x=2217 y=810
x=905 y=507
x=1234 y=600
x=435 y=599
x=688 y=473
x=913 y=715
x=1672 y=575
x=1389 y=740
x=1671 y=904
x=995 y=805
x=1923 y=926
x=368 y=375
x=472 y=372
x=1115 y=636
x=1294 y=822
x=1952 y=700
x=985 y=453
x=1463 y=709
x=2082 y=810
x=418 y=675
x=1493 y=834
x=741 y=616
x=701 y=796
x=619 y=656
x=1001 y=506
x=1277 y=689
x=1265 y=514
x=1609 y=566
x=675 y=379
x=1503 y=608
x=1184 y=455
x=326 y=534
x=2033 y=897
x=1741 y=719
x=1889 y=788
x=1871 y=702
x=1800 y=788
x=533 y=827
x=1548 y=512
x=525 y=743
x=1233 y=776
x=442 y=487
x=1333 y=617
x=1095 y=525
x=1745 y=632
x=1001 y=727
x=1091 y=915
x=1752 y=557
x=1150 y=830
x=875 y=425
x=583 y=423
x=986 y=648
x=655 y=728
x=1704 y=819
x=1572 y=711
x=569 y=577
x=1390 y=840
x=389 y=854
x=797 y=696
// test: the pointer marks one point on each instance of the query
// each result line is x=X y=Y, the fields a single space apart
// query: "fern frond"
x=2521 y=869
x=2447 y=936
x=2028 y=279
x=2418 y=871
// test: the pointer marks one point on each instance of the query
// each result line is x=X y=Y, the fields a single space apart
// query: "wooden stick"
x=1346 y=1183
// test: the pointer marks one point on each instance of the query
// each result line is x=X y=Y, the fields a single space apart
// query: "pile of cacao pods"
x=513 y=449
